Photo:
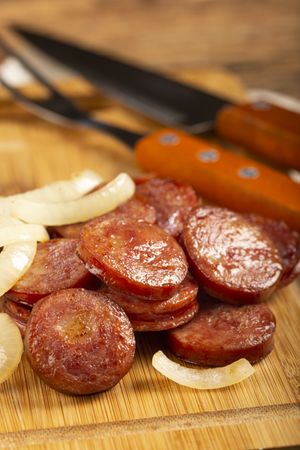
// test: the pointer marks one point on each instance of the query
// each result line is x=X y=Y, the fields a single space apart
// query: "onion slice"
x=11 y=346
x=15 y=259
x=117 y=191
x=24 y=232
x=59 y=191
x=8 y=221
x=215 y=378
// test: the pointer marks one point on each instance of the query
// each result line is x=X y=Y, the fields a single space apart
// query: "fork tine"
x=42 y=108
x=15 y=92
x=29 y=67
x=58 y=108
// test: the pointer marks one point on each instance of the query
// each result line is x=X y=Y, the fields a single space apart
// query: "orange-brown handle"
x=265 y=129
x=222 y=177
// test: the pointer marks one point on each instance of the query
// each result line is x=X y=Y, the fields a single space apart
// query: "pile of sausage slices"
x=161 y=262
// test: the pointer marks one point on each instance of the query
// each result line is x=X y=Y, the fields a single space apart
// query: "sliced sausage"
x=19 y=312
x=71 y=231
x=167 y=321
x=233 y=258
x=135 y=256
x=133 y=209
x=147 y=310
x=143 y=177
x=292 y=275
x=79 y=342
x=286 y=241
x=136 y=209
x=220 y=334
x=172 y=201
x=55 y=266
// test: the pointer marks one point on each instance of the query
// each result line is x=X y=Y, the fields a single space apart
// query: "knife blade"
x=265 y=129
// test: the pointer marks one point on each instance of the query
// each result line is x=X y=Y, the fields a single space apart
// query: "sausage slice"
x=79 y=342
x=135 y=256
x=167 y=321
x=19 y=312
x=133 y=209
x=144 y=309
x=221 y=334
x=233 y=258
x=55 y=266
x=172 y=201
x=287 y=243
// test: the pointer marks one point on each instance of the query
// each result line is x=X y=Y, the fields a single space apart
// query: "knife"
x=231 y=180
x=268 y=130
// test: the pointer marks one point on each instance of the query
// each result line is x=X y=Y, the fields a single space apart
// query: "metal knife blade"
x=156 y=96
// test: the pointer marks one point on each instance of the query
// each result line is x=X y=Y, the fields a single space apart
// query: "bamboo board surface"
x=145 y=410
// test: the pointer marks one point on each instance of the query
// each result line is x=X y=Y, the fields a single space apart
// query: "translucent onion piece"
x=20 y=233
x=92 y=205
x=11 y=346
x=202 y=378
x=58 y=191
x=5 y=206
x=7 y=221
x=66 y=190
x=15 y=259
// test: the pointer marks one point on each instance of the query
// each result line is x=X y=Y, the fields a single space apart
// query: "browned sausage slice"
x=292 y=275
x=172 y=201
x=55 y=266
x=220 y=334
x=133 y=209
x=18 y=312
x=233 y=258
x=286 y=241
x=71 y=231
x=147 y=310
x=167 y=321
x=135 y=256
x=136 y=209
x=79 y=342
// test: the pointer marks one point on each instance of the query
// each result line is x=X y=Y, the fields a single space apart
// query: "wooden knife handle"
x=222 y=177
x=265 y=129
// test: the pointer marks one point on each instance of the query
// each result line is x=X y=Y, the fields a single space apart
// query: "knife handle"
x=220 y=176
x=265 y=129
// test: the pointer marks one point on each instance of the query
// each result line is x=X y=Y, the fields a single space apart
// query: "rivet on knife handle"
x=268 y=130
x=222 y=177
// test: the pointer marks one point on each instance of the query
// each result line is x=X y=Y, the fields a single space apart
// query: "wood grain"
x=161 y=429
x=145 y=410
x=257 y=40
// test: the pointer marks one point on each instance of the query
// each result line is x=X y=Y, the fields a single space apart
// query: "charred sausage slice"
x=135 y=256
x=55 y=266
x=220 y=334
x=233 y=258
x=79 y=342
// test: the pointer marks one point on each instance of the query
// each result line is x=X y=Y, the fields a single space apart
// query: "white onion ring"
x=215 y=378
x=106 y=199
x=15 y=259
x=59 y=191
x=11 y=346
x=24 y=232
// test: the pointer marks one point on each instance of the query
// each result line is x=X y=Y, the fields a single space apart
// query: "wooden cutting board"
x=145 y=410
